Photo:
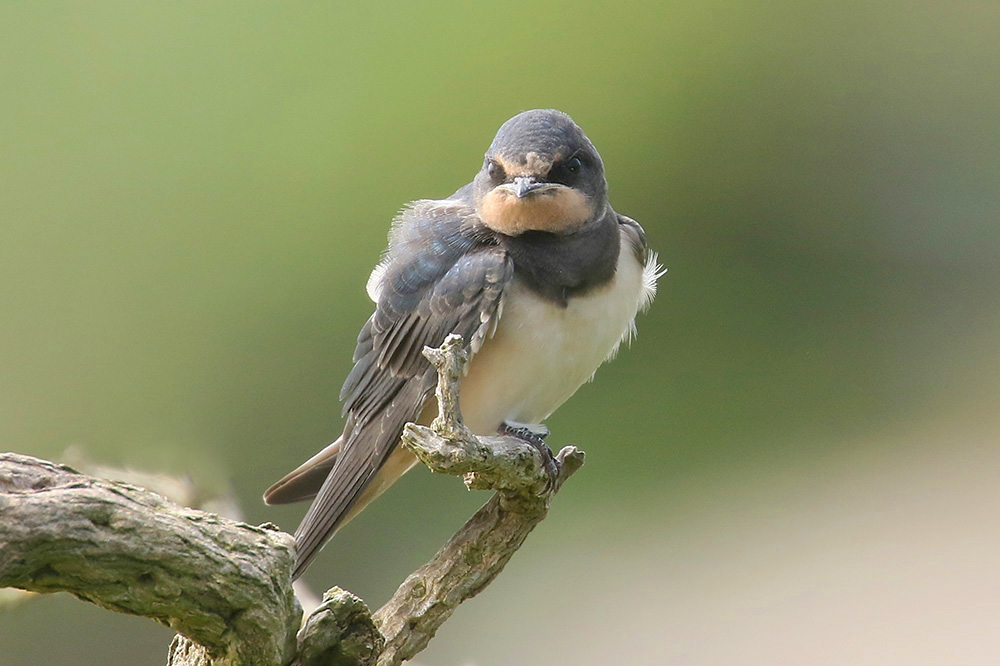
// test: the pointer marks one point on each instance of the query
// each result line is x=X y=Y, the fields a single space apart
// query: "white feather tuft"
x=651 y=272
x=374 y=285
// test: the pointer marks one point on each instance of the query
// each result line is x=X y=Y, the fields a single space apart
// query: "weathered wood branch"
x=474 y=556
x=225 y=586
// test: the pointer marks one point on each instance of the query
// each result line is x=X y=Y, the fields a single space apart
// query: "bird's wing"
x=636 y=236
x=440 y=277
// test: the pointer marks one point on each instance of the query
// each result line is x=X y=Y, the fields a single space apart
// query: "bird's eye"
x=573 y=165
x=493 y=170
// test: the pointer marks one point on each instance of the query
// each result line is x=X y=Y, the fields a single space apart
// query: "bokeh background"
x=795 y=463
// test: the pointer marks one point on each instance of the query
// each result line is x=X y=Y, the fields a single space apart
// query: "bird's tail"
x=322 y=520
x=304 y=482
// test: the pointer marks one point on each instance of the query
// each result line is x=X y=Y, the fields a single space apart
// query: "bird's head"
x=541 y=173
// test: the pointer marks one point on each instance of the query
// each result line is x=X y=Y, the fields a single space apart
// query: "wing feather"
x=441 y=275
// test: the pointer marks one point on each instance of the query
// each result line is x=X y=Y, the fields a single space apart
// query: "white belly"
x=542 y=353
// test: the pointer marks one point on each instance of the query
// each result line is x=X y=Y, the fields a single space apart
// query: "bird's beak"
x=525 y=185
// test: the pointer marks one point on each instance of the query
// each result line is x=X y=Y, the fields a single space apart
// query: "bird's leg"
x=535 y=434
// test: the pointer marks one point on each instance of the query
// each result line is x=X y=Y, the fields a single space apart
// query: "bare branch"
x=225 y=586
x=480 y=550
x=340 y=632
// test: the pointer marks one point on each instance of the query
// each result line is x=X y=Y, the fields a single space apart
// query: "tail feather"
x=361 y=472
x=304 y=482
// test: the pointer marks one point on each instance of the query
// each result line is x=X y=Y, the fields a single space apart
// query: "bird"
x=531 y=265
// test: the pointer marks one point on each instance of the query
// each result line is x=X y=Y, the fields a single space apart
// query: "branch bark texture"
x=222 y=584
x=225 y=586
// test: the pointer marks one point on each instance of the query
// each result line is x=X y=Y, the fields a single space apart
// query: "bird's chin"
x=556 y=209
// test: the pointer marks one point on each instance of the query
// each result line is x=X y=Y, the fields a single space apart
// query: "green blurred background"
x=796 y=462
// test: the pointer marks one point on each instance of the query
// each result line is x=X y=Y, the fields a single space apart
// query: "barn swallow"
x=530 y=265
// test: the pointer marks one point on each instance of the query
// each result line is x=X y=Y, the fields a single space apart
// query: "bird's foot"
x=535 y=434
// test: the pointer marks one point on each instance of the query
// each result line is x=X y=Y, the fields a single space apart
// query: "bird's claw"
x=535 y=435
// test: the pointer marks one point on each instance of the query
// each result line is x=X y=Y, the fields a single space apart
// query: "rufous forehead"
x=534 y=164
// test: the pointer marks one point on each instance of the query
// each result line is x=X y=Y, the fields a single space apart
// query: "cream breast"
x=542 y=353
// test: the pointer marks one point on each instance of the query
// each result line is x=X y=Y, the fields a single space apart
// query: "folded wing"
x=442 y=275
